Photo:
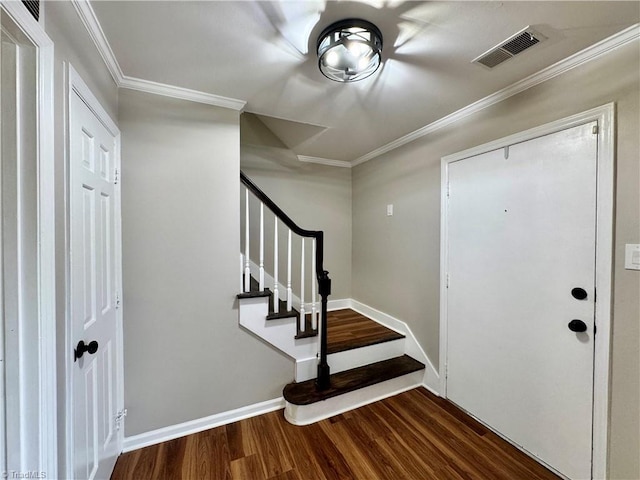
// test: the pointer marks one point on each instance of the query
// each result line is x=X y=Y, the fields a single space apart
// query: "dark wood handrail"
x=324 y=282
x=264 y=198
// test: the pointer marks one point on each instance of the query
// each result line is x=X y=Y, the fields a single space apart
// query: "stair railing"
x=319 y=274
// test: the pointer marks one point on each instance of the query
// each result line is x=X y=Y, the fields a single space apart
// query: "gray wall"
x=181 y=339
x=396 y=259
x=72 y=44
x=316 y=197
x=185 y=355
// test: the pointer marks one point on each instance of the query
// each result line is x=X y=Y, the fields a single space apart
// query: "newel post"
x=324 y=287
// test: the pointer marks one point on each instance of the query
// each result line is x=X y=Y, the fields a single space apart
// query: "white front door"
x=521 y=242
x=95 y=270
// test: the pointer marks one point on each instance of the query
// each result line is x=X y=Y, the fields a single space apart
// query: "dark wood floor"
x=348 y=329
x=414 y=435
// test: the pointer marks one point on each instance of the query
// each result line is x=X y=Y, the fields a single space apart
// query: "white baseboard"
x=194 y=426
x=412 y=347
x=339 y=304
x=437 y=394
x=430 y=381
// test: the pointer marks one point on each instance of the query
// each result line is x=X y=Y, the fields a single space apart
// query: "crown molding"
x=590 y=53
x=91 y=23
x=324 y=161
x=173 y=91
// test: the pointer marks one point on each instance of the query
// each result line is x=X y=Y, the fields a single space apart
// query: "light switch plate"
x=390 y=210
x=632 y=256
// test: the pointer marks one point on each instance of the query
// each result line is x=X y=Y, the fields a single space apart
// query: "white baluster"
x=261 y=276
x=276 y=295
x=302 y=319
x=289 y=273
x=247 y=265
x=241 y=270
x=314 y=288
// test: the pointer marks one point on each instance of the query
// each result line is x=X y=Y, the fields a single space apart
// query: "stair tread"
x=255 y=293
x=305 y=393
x=348 y=329
x=283 y=314
x=309 y=331
x=306 y=334
x=254 y=289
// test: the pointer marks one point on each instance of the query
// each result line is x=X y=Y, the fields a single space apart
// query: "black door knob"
x=91 y=347
x=579 y=293
x=577 y=326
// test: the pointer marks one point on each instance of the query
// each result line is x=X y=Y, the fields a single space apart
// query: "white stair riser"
x=307 y=368
x=307 y=414
x=280 y=332
x=358 y=357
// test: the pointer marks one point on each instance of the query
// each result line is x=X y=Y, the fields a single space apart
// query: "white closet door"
x=94 y=270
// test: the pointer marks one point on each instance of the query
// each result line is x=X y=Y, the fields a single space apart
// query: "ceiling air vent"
x=33 y=6
x=511 y=47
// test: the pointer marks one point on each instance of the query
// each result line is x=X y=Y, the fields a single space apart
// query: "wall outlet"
x=632 y=256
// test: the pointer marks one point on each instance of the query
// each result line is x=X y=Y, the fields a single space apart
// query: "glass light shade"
x=349 y=50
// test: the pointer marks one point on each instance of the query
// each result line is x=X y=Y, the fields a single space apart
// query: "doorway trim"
x=44 y=380
x=605 y=201
x=76 y=86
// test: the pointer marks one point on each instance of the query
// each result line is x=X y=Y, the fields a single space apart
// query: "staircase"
x=343 y=359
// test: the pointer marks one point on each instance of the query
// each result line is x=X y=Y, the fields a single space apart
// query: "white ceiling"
x=264 y=53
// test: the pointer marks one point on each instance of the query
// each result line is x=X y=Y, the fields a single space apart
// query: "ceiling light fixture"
x=349 y=50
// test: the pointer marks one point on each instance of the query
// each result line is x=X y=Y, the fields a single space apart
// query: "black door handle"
x=577 y=326
x=579 y=293
x=91 y=347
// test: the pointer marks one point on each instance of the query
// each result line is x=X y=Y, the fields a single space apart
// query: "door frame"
x=75 y=85
x=605 y=201
x=42 y=382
